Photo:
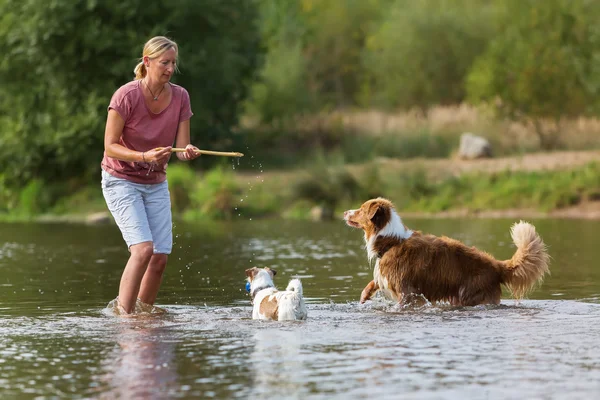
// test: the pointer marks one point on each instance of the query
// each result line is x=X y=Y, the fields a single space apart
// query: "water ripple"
x=341 y=350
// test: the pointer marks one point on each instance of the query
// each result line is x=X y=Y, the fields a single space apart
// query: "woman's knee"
x=142 y=251
x=158 y=263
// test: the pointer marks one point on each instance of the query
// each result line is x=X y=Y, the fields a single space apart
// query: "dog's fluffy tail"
x=530 y=262
x=295 y=286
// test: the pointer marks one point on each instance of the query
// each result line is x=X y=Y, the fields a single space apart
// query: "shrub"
x=34 y=198
x=215 y=196
x=182 y=181
x=542 y=66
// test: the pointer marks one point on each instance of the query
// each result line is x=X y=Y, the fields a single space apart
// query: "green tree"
x=63 y=59
x=313 y=55
x=336 y=35
x=421 y=53
x=280 y=91
x=543 y=64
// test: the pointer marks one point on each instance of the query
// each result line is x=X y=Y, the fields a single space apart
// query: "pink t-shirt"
x=145 y=130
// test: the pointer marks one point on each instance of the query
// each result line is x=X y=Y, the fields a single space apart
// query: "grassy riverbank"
x=451 y=187
x=562 y=184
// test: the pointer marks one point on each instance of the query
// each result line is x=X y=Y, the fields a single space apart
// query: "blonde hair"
x=153 y=48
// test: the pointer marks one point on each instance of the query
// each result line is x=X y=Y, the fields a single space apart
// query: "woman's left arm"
x=183 y=140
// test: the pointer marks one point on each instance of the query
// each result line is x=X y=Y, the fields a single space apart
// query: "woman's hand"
x=191 y=152
x=159 y=156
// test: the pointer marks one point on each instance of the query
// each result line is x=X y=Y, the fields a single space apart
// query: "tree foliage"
x=422 y=51
x=542 y=64
x=336 y=35
x=538 y=59
x=313 y=58
x=63 y=59
x=322 y=55
x=280 y=90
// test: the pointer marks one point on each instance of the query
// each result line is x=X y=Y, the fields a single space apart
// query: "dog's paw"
x=365 y=295
x=368 y=291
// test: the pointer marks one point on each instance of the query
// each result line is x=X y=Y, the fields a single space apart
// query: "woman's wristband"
x=143 y=156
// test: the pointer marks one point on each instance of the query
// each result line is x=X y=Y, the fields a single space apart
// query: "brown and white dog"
x=270 y=303
x=441 y=268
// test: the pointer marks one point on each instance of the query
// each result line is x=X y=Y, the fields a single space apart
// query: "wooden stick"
x=210 y=153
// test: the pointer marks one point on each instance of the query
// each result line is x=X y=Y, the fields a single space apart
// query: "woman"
x=145 y=117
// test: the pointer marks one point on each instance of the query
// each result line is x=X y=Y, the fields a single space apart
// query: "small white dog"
x=270 y=303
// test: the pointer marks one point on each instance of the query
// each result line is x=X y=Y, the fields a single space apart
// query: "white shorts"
x=142 y=212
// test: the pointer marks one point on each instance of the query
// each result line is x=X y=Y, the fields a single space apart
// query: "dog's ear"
x=250 y=272
x=271 y=271
x=378 y=214
x=372 y=210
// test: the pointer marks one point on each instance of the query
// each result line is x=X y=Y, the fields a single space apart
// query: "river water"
x=58 y=340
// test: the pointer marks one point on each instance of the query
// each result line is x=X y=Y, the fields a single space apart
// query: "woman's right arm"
x=112 y=134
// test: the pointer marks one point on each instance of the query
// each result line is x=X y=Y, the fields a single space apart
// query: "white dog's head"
x=260 y=278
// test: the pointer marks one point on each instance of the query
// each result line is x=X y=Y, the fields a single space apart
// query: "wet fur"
x=441 y=268
x=272 y=304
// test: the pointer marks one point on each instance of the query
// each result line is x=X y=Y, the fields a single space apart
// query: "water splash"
x=150 y=169
x=140 y=309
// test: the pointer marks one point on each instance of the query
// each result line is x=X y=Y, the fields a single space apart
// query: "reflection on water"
x=142 y=365
x=277 y=361
x=538 y=349
x=56 y=340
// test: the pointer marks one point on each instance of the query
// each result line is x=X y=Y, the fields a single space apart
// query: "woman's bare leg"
x=153 y=278
x=135 y=269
